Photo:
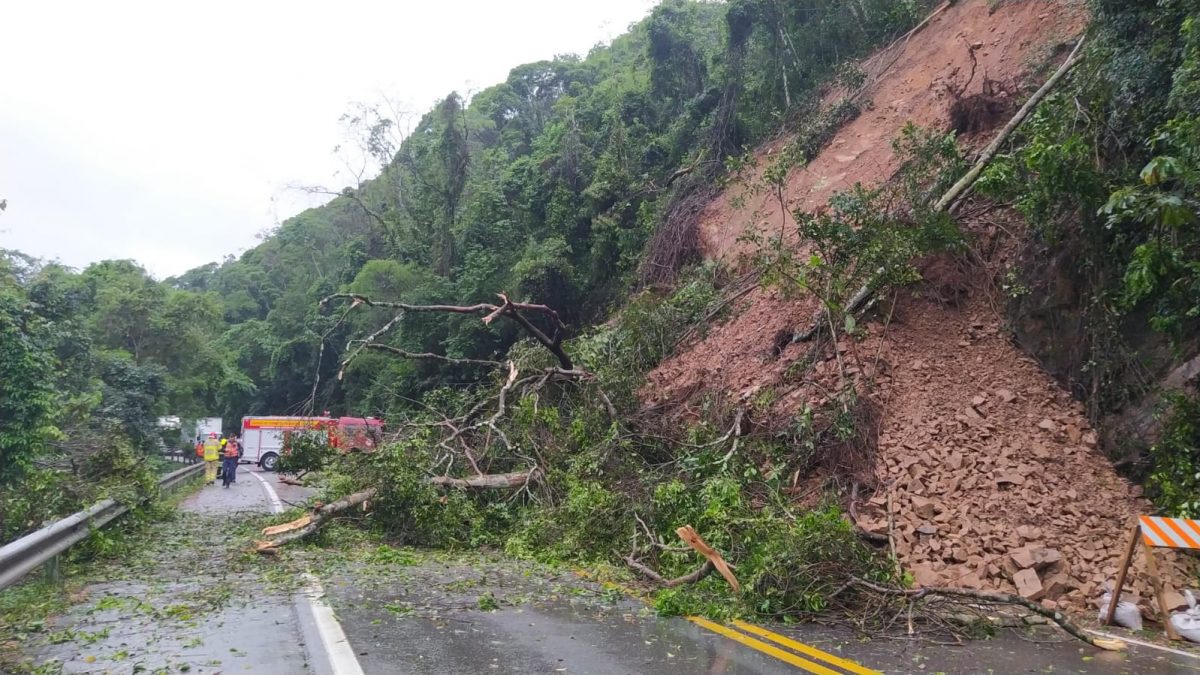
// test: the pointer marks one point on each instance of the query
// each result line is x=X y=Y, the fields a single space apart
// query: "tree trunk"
x=963 y=184
x=990 y=151
x=306 y=525
x=496 y=481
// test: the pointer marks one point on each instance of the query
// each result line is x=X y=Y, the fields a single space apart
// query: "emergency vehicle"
x=264 y=438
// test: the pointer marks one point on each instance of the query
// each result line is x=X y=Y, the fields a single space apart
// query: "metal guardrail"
x=19 y=557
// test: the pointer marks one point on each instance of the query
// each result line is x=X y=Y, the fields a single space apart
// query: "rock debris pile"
x=994 y=475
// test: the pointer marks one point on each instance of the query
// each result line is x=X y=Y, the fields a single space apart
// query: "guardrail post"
x=52 y=568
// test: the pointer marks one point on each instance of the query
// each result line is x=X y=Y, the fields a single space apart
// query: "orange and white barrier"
x=1155 y=532
x=1170 y=532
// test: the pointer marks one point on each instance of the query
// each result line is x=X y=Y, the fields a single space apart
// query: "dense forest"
x=574 y=186
x=547 y=187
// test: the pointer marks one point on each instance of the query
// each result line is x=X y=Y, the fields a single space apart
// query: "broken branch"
x=690 y=537
x=689 y=578
x=991 y=598
x=310 y=523
x=489 y=311
x=496 y=481
x=429 y=356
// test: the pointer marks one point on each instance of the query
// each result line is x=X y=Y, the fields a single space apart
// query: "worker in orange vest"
x=212 y=449
x=229 y=467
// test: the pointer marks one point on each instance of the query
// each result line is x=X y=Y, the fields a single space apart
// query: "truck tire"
x=269 y=462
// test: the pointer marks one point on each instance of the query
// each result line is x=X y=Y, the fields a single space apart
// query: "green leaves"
x=1175 y=482
x=26 y=384
x=1159 y=170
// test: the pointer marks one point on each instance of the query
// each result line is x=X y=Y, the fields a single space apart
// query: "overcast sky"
x=169 y=131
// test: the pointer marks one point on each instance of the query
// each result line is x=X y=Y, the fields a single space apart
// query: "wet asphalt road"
x=182 y=606
x=562 y=637
x=163 y=613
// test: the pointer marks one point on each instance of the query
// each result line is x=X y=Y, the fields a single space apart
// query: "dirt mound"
x=912 y=81
x=913 y=78
x=994 y=474
x=762 y=331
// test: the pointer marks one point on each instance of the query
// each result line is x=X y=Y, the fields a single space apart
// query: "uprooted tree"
x=474 y=438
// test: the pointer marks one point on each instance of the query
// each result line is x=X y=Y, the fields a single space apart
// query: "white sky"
x=168 y=131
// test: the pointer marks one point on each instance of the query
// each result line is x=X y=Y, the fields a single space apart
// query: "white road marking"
x=1150 y=645
x=341 y=655
x=276 y=505
x=342 y=660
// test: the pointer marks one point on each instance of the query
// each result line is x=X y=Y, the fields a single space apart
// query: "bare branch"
x=430 y=356
x=987 y=597
x=498 y=481
x=690 y=578
x=508 y=308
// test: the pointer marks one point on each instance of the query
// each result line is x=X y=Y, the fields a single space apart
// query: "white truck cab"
x=263 y=437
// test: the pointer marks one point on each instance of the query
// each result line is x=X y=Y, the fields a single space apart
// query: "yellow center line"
x=786 y=657
x=844 y=664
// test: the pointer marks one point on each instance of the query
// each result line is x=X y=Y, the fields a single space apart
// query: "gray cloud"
x=170 y=132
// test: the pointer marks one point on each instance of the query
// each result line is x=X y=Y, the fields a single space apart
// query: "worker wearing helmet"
x=230 y=462
x=212 y=449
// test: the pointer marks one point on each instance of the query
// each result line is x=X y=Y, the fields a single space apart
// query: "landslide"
x=990 y=470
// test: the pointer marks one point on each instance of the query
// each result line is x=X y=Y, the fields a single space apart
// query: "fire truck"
x=264 y=438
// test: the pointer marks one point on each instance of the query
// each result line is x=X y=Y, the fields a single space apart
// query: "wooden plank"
x=1122 y=569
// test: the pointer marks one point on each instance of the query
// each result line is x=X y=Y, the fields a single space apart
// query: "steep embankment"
x=991 y=470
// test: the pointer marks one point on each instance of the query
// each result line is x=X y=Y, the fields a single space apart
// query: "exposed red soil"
x=710 y=364
x=1009 y=39
x=910 y=87
x=994 y=473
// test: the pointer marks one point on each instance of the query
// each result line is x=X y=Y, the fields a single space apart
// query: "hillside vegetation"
x=575 y=189
x=546 y=186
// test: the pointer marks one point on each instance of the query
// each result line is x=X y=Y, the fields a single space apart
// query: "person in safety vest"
x=212 y=448
x=221 y=460
x=229 y=467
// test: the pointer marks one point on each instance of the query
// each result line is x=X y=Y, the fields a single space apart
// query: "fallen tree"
x=470 y=435
x=309 y=523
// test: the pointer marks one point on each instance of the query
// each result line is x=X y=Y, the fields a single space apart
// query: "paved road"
x=562 y=633
x=194 y=601
x=185 y=603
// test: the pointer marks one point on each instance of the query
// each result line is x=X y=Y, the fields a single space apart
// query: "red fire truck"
x=263 y=438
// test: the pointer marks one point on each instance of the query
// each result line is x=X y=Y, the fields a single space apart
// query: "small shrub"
x=1175 y=480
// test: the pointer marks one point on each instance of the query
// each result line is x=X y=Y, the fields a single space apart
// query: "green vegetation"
x=87 y=362
x=1106 y=172
x=547 y=187
x=868 y=237
x=1176 y=477
x=609 y=487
